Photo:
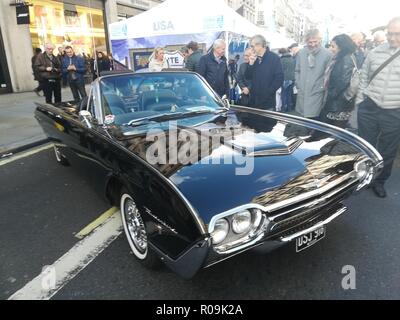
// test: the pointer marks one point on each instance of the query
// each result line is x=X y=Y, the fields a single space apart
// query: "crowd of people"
x=54 y=71
x=349 y=78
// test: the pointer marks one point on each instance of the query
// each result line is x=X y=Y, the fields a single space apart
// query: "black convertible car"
x=199 y=181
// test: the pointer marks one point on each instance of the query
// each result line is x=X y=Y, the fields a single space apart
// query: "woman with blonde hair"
x=158 y=61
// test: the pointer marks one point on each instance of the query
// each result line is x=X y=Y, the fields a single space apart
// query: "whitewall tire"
x=135 y=231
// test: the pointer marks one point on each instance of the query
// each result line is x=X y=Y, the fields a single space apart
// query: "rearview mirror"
x=86 y=117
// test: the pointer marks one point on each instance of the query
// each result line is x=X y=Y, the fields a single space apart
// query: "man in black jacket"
x=48 y=67
x=36 y=73
x=194 y=56
x=266 y=73
x=243 y=82
x=289 y=66
x=214 y=68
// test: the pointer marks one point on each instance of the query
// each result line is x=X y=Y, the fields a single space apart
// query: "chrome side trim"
x=315 y=227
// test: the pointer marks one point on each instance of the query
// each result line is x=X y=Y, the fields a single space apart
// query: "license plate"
x=306 y=241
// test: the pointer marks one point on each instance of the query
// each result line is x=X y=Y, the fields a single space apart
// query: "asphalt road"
x=44 y=205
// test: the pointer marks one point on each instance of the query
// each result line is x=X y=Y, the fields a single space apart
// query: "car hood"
x=265 y=157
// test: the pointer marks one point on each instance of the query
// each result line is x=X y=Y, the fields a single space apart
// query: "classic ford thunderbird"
x=198 y=180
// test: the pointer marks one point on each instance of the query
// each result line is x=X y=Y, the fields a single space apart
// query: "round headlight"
x=361 y=170
x=220 y=232
x=241 y=222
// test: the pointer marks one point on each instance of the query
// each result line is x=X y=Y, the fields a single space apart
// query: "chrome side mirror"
x=86 y=117
x=226 y=102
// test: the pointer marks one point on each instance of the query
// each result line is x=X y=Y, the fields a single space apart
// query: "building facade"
x=246 y=8
x=290 y=18
x=80 y=23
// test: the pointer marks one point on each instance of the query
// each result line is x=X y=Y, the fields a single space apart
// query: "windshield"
x=127 y=98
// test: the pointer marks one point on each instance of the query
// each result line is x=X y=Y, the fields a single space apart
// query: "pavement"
x=19 y=130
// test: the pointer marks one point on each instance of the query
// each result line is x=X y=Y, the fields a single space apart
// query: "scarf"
x=328 y=72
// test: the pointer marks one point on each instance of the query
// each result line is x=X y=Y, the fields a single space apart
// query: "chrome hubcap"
x=136 y=227
x=58 y=153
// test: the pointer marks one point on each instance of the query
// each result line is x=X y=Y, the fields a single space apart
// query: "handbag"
x=352 y=89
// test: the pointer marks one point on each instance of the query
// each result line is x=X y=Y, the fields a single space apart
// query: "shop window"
x=64 y=24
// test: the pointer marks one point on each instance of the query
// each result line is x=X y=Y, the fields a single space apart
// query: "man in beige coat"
x=311 y=64
x=379 y=103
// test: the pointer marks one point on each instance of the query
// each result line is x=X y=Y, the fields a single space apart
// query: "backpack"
x=352 y=89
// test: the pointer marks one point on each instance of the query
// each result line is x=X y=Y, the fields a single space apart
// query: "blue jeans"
x=287 y=96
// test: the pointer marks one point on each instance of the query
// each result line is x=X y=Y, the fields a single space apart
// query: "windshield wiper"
x=171 y=116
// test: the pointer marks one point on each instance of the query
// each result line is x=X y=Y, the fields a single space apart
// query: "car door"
x=88 y=144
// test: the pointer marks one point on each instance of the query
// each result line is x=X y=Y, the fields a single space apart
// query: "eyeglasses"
x=393 y=34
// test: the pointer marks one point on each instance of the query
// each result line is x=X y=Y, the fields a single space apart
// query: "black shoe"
x=379 y=190
x=37 y=92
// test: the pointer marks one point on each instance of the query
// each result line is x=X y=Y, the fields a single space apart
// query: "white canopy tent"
x=176 y=23
x=184 y=17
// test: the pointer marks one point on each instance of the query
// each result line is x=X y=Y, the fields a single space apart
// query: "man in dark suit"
x=266 y=74
x=214 y=68
x=36 y=73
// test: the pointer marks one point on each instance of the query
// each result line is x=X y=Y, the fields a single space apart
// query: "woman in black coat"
x=103 y=64
x=337 y=109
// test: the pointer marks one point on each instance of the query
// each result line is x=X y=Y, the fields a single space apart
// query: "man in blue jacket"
x=266 y=73
x=214 y=68
x=74 y=68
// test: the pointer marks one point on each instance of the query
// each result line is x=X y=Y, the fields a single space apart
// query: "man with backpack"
x=379 y=102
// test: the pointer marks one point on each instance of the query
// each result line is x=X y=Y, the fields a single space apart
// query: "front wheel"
x=135 y=231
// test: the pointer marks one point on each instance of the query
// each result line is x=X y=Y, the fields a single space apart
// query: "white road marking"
x=55 y=277
x=25 y=154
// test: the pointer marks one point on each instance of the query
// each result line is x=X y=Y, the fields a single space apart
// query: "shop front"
x=79 y=23
x=73 y=24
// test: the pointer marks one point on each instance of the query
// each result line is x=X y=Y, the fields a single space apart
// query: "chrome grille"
x=306 y=211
